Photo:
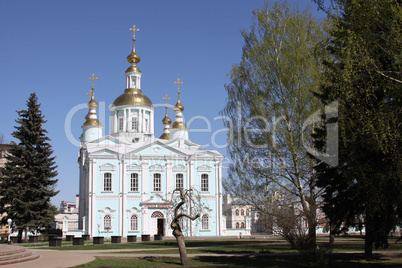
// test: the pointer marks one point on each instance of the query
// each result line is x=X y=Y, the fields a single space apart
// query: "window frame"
x=204 y=183
x=179 y=181
x=205 y=222
x=157 y=182
x=134 y=182
x=107 y=182
x=134 y=222
x=107 y=222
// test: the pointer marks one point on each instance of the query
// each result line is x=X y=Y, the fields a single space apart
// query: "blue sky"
x=52 y=47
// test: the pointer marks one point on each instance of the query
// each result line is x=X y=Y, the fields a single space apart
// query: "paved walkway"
x=60 y=259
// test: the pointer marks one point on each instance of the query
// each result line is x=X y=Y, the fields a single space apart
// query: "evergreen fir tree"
x=363 y=74
x=27 y=182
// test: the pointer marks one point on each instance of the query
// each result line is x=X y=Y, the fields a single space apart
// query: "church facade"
x=127 y=177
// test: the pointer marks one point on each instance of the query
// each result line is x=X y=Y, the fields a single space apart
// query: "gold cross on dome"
x=166 y=100
x=91 y=93
x=178 y=83
x=134 y=30
x=93 y=78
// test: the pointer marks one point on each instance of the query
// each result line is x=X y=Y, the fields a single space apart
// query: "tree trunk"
x=332 y=233
x=312 y=235
x=182 y=248
x=369 y=238
x=19 y=238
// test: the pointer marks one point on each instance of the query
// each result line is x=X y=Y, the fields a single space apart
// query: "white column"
x=122 y=198
x=218 y=196
x=91 y=220
x=144 y=180
x=151 y=122
x=114 y=122
x=124 y=120
x=169 y=180
x=190 y=185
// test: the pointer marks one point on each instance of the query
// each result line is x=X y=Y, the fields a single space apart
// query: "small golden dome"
x=133 y=69
x=166 y=120
x=92 y=103
x=91 y=122
x=165 y=136
x=179 y=125
x=132 y=96
x=178 y=106
x=133 y=57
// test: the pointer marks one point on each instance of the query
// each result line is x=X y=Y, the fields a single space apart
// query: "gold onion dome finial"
x=166 y=119
x=92 y=103
x=90 y=118
x=133 y=57
x=178 y=105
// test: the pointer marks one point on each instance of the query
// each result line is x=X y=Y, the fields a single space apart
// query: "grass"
x=346 y=252
x=286 y=261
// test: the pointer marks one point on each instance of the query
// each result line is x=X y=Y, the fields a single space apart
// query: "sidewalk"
x=55 y=259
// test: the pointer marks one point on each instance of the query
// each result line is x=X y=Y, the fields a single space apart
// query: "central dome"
x=132 y=96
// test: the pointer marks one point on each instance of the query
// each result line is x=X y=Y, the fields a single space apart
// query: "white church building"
x=127 y=177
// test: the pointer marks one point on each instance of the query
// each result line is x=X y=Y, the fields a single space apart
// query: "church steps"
x=14 y=254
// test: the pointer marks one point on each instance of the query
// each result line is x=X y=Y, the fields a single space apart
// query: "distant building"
x=67 y=220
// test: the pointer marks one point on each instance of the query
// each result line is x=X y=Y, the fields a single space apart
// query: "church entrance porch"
x=161 y=227
x=157 y=223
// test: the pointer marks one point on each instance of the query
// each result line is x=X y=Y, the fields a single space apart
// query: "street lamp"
x=9 y=221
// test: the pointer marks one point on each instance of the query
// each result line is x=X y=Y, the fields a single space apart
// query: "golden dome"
x=91 y=122
x=165 y=136
x=179 y=125
x=133 y=69
x=178 y=106
x=166 y=120
x=92 y=103
x=132 y=96
x=133 y=57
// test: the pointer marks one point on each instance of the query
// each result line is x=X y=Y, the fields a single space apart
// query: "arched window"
x=205 y=222
x=134 y=223
x=134 y=182
x=179 y=181
x=204 y=183
x=242 y=212
x=107 y=182
x=237 y=225
x=242 y=225
x=247 y=212
x=157 y=214
x=157 y=182
x=107 y=222
x=237 y=212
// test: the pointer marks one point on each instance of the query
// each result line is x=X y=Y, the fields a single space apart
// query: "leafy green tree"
x=27 y=182
x=363 y=73
x=270 y=98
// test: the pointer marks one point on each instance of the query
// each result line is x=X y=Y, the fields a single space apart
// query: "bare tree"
x=179 y=212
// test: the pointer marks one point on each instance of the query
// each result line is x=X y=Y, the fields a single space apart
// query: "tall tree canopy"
x=363 y=73
x=27 y=182
x=270 y=97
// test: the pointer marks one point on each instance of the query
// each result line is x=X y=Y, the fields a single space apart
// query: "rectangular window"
x=107 y=222
x=205 y=222
x=204 y=183
x=179 y=181
x=134 y=124
x=157 y=182
x=107 y=182
x=134 y=182
x=146 y=125
x=134 y=223
x=121 y=123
